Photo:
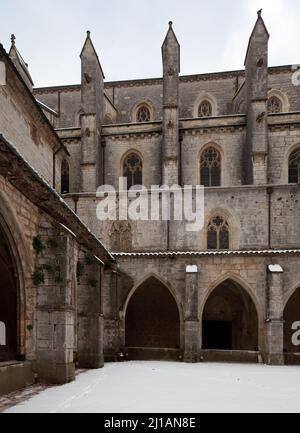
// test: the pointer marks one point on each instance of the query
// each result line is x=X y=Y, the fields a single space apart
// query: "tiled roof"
x=208 y=253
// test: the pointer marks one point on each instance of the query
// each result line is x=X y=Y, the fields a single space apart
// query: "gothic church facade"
x=228 y=292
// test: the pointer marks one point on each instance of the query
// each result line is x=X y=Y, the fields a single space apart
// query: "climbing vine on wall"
x=52 y=267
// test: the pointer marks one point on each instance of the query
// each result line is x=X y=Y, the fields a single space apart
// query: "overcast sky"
x=128 y=34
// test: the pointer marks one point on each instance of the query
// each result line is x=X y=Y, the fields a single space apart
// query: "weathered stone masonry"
x=161 y=292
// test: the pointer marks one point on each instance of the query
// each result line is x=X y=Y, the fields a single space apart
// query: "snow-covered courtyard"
x=161 y=387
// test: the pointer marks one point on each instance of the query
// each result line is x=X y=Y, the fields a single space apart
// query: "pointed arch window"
x=274 y=105
x=205 y=109
x=143 y=114
x=294 y=166
x=218 y=234
x=65 y=177
x=210 y=167
x=133 y=170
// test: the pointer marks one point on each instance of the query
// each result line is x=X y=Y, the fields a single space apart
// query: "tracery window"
x=133 y=170
x=274 y=105
x=205 y=109
x=210 y=167
x=65 y=177
x=143 y=114
x=121 y=236
x=294 y=166
x=218 y=234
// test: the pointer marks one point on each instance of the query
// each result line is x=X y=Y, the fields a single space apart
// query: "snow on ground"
x=161 y=387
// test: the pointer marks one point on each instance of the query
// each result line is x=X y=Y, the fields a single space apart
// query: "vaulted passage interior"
x=8 y=303
x=152 y=322
x=292 y=327
x=230 y=320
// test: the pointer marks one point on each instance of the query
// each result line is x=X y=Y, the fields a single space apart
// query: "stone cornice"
x=159 y=81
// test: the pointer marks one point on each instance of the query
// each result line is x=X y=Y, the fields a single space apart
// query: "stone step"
x=15 y=375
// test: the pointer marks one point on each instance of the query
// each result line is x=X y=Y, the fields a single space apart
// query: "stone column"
x=89 y=312
x=54 y=277
x=112 y=341
x=256 y=85
x=274 y=324
x=93 y=107
x=191 y=322
x=171 y=69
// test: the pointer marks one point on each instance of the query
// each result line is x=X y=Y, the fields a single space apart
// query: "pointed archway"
x=8 y=302
x=230 y=319
x=291 y=317
x=152 y=322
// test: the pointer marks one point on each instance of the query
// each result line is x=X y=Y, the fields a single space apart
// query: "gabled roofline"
x=31 y=96
x=159 y=80
x=22 y=63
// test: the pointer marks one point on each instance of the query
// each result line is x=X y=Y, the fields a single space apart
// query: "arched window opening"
x=211 y=167
x=65 y=177
x=143 y=114
x=218 y=234
x=274 y=105
x=133 y=170
x=294 y=167
x=2 y=334
x=205 y=109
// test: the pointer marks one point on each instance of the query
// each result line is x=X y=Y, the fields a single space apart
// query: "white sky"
x=128 y=34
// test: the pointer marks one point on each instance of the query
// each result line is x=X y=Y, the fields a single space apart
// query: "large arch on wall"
x=291 y=318
x=13 y=259
x=231 y=316
x=20 y=260
x=152 y=320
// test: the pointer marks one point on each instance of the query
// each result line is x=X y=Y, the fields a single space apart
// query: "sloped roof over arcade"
x=24 y=178
x=210 y=253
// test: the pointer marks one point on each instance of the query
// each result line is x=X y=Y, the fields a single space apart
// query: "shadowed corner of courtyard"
x=8 y=401
x=16 y=398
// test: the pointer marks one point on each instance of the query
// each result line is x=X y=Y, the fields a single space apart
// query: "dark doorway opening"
x=8 y=303
x=217 y=335
x=152 y=318
x=230 y=320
